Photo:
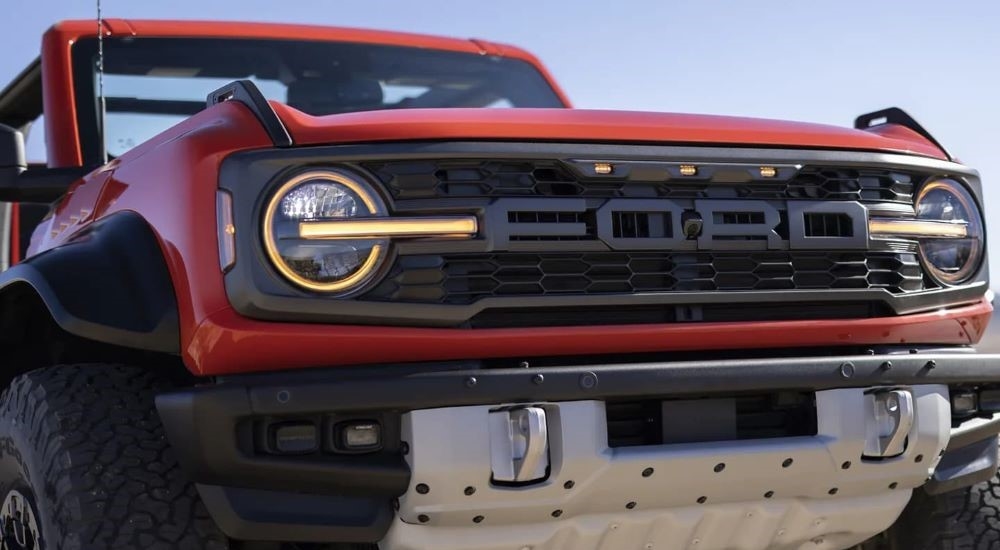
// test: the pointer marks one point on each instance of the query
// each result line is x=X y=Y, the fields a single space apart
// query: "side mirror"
x=12 y=161
x=18 y=184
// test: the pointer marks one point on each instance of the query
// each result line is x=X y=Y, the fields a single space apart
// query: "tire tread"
x=109 y=477
x=967 y=519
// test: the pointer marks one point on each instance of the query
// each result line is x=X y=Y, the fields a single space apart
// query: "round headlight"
x=951 y=260
x=323 y=265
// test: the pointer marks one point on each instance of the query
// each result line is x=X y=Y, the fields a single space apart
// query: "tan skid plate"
x=773 y=525
x=807 y=488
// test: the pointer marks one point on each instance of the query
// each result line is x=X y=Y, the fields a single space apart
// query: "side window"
x=34 y=142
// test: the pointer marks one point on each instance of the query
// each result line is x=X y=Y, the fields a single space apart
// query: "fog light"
x=888 y=419
x=964 y=403
x=295 y=438
x=989 y=400
x=360 y=436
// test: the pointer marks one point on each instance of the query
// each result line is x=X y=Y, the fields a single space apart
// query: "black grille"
x=720 y=418
x=414 y=179
x=465 y=278
x=828 y=225
x=653 y=314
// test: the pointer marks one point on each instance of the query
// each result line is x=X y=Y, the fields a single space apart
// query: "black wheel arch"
x=109 y=284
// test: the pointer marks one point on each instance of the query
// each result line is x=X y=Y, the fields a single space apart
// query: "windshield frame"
x=84 y=77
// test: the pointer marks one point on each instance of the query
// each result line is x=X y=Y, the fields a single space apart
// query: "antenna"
x=101 y=105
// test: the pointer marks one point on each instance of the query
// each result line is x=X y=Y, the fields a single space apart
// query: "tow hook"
x=519 y=445
x=888 y=420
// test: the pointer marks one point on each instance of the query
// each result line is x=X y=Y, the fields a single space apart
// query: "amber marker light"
x=603 y=168
x=227 y=230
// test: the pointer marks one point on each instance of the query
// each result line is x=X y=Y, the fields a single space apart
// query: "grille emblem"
x=678 y=224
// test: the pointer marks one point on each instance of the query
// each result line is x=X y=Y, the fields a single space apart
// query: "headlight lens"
x=954 y=260
x=329 y=266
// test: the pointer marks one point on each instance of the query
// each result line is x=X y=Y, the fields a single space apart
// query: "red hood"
x=591 y=126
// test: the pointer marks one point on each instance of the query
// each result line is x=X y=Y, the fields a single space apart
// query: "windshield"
x=151 y=84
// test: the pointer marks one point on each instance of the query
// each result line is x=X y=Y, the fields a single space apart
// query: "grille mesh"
x=413 y=179
x=465 y=278
x=765 y=416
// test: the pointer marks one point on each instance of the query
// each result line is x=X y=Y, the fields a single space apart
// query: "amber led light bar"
x=453 y=227
x=917 y=229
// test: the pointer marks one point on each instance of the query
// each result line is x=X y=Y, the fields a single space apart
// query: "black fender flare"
x=109 y=283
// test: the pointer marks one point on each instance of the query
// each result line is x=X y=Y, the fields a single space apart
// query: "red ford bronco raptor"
x=388 y=290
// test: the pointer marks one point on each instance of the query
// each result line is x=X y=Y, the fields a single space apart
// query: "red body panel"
x=61 y=130
x=226 y=343
x=172 y=179
x=590 y=126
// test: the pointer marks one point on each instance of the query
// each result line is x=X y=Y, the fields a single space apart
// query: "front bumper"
x=760 y=494
x=349 y=498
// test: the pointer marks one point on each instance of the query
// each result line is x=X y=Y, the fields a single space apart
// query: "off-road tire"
x=967 y=519
x=84 y=446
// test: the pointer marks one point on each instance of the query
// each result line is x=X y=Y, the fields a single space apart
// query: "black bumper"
x=211 y=427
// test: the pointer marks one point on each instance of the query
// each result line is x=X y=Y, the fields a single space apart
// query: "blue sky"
x=817 y=61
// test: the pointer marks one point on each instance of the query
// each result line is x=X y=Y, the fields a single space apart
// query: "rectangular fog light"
x=963 y=403
x=989 y=400
x=295 y=438
x=360 y=436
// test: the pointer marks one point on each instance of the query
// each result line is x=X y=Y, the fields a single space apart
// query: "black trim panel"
x=247 y=93
x=250 y=514
x=974 y=431
x=454 y=387
x=205 y=428
x=895 y=115
x=317 y=309
x=965 y=466
x=109 y=283
x=256 y=290
x=21 y=100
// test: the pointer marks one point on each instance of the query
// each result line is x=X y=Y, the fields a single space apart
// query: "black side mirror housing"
x=12 y=161
x=19 y=184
